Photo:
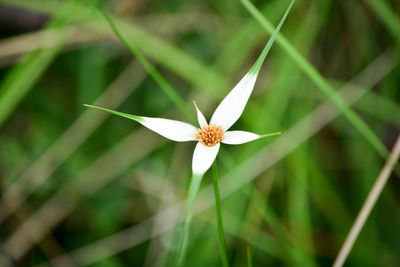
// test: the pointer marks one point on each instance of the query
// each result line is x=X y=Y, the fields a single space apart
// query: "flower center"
x=210 y=135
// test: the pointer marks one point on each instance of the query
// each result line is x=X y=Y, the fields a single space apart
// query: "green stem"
x=183 y=242
x=222 y=244
x=165 y=86
x=248 y=252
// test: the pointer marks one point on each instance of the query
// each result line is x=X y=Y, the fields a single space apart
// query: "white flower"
x=209 y=135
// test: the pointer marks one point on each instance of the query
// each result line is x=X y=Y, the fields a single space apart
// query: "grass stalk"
x=183 y=242
x=221 y=235
x=368 y=205
x=386 y=15
x=162 y=82
x=248 y=253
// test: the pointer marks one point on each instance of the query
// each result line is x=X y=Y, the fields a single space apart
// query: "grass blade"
x=165 y=86
x=387 y=16
x=183 y=242
x=222 y=243
x=248 y=253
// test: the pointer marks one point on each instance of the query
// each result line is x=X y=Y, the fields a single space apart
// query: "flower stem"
x=248 y=250
x=183 y=242
x=222 y=244
x=154 y=73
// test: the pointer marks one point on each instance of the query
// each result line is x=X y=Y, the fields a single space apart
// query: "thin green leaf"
x=183 y=243
x=387 y=16
x=221 y=235
x=248 y=253
x=165 y=86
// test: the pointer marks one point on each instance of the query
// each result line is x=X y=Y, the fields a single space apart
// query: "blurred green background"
x=81 y=188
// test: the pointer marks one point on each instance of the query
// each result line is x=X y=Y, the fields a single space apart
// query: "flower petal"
x=171 y=129
x=203 y=157
x=174 y=130
x=230 y=109
x=200 y=117
x=241 y=137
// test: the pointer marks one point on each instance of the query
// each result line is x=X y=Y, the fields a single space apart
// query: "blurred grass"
x=20 y=79
x=321 y=83
x=76 y=167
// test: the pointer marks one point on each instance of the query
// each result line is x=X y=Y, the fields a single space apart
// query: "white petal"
x=200 y=117
x=203 y=157
x=239 y=137
x=171 y=129
x=230 y=109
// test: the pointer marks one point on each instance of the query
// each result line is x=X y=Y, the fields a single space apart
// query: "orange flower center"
x=210 y=135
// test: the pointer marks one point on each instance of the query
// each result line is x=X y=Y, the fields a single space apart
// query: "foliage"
x=82 y=188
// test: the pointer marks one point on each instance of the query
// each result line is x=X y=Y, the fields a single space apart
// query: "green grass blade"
x=165 y=86
x=387 y=16
x=20 y=80
x=183 y=242
x=221 y=235
x=248 y=253
x=319 y=81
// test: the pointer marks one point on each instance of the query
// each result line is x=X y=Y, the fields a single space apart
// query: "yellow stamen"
x=210 y=135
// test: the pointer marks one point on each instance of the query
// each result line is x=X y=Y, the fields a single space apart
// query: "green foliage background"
x=81 y=188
